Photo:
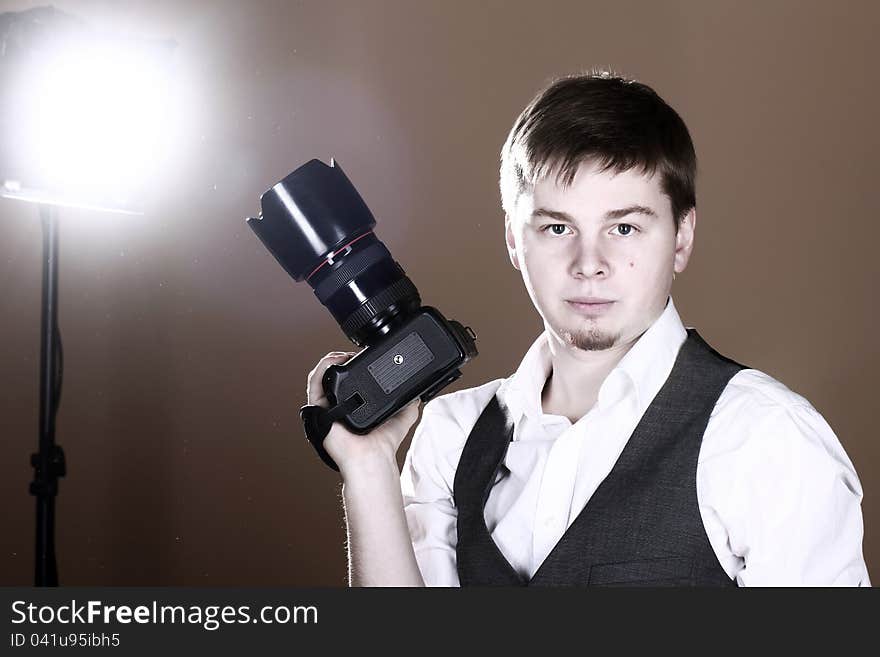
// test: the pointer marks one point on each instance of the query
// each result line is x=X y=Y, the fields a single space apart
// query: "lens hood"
x=308 y=215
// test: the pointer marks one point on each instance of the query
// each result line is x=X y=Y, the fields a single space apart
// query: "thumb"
x=404 y=418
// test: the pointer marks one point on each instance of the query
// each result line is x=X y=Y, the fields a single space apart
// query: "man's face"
x=597 y=257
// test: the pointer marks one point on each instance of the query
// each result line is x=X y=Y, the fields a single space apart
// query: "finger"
x=403 y=420
x=314 y=389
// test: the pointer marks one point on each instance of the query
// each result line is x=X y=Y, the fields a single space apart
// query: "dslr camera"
x=320 y=230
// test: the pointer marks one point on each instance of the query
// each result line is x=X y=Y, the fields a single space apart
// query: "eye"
x=624 y=229
x=555 y=229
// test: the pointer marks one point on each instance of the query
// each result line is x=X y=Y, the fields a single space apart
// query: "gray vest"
x=642 y=526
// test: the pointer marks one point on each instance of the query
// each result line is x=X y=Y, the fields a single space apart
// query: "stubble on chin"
x=590 y=339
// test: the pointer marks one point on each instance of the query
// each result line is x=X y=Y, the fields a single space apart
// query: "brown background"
x=187 y=346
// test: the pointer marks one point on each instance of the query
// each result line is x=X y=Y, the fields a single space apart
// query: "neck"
x=576 y=376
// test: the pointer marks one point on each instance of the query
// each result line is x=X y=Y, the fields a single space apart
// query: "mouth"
x=589 y=306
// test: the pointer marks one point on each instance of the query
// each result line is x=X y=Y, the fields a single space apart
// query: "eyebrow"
x=611 y=214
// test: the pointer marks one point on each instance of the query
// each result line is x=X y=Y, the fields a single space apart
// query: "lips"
x=589 y=306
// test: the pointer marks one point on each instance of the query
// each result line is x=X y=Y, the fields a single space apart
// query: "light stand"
x=48 y=462
x=82 y=121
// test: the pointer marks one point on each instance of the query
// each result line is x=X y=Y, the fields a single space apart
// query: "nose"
x=589 y=260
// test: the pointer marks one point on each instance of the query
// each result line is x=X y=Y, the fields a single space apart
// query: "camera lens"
x=364 y=288
x=318 y=227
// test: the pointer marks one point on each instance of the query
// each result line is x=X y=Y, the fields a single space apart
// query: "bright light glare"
x=96 y=121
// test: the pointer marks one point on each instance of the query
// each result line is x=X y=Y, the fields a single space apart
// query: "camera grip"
x=317 y=427
x=318 y=421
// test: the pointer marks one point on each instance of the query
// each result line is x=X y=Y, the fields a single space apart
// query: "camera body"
x=417 y=359
x=320 y=230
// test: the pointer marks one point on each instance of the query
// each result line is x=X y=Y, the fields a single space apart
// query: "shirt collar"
x=640 y=373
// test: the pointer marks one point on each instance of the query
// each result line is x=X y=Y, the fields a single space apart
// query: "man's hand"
x=380 y=551
x=349 y=450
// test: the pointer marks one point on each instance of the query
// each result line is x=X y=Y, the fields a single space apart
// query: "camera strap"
x=318 y=421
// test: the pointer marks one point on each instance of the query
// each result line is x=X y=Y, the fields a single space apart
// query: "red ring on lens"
x=335 y=253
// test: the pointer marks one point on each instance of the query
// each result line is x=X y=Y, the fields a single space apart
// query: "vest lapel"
x=481 y=458
x=669 y=434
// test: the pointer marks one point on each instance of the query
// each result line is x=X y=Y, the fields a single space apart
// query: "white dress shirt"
x=779 y=498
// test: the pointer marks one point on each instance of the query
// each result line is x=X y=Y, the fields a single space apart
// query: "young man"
x=623 y=450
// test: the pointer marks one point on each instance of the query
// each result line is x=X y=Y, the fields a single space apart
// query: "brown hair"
x=618 y=123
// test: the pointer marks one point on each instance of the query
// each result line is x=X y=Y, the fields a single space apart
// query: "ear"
x=684 y=241
x=511 y=243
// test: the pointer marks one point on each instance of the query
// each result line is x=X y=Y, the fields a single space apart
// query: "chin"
x=590 y=338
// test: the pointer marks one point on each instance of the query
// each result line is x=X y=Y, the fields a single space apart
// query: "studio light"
x=83 y=123
x=85 y=120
